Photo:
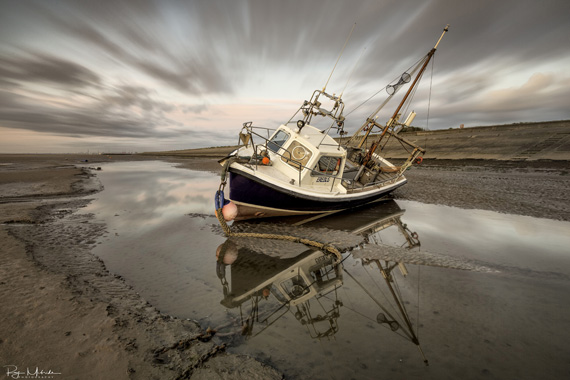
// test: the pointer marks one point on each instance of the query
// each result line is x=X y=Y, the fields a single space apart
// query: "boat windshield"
x=277 y=141
x=327 y=165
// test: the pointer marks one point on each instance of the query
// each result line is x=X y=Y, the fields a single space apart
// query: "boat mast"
x=429 y=55
x=392 y=120
x=387 y=275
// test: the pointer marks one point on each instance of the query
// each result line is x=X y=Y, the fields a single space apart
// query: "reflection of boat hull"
x=257 y=198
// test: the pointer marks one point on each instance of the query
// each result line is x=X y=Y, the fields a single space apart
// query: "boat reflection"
x=265 y=286
x=292 y=283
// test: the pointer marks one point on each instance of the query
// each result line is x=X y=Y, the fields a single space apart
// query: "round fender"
x=229 y=211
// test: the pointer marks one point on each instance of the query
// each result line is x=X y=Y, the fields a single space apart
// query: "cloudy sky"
x=160 y=75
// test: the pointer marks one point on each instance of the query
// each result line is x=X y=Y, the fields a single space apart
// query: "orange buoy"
x=419 y=160
x=265 y=160
x=227 y=253
x=229 y=211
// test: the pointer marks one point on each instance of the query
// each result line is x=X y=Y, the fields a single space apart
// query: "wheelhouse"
x=307 y=157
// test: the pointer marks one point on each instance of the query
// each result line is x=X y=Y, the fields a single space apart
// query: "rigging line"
x=398 y=295
x=429 y=101
x=397 y=286
x=404 y=312
x=413 y=66
x=352 y=72
x=410 y=98
x=378 y=286
x=348 y=298
x=340 y=55
x=364 y=102
x=352 y=308
x=429 y=96
x=399 y=333
x=395 y=318
x=321 y=305
x=405 y=148
x=418 y=314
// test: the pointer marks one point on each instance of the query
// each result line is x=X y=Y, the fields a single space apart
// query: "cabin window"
x=295 y=287
x=327 y=165
x=297 y=155
x=278 y=294
x=277 y=141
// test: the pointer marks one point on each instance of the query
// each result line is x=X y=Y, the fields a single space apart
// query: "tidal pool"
x=484 y=294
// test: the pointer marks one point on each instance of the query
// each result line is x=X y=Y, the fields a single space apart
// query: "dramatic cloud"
x=149 y=75
x=40 y=67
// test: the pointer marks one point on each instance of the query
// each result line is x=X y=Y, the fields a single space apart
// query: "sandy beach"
x=64 y=313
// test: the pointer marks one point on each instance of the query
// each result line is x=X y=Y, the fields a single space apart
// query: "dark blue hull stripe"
x=251 y=190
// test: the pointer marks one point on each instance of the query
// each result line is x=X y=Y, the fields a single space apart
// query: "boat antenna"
x=340 y=96
x=340 y=55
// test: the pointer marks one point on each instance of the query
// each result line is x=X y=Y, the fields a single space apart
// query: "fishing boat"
x=301 y=169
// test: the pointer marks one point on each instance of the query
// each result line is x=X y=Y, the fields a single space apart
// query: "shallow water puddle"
x=290 y=306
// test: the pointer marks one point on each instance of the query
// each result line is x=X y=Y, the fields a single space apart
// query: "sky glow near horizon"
x=163 y=75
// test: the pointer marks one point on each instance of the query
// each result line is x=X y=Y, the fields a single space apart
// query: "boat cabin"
x=308 y=157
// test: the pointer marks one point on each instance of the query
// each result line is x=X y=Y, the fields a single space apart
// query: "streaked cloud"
x=172 y=73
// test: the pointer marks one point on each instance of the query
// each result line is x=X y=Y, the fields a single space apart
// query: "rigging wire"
x=353 y=309
x=399 y=333
x=418 y=314
x=397 y=316
x=383 y=88
x=398 y=291
x=352 y=72
x=429 y=100
x=399 y=294
x=340 y=55
x=429 y=96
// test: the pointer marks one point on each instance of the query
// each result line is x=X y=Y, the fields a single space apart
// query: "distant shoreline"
x=549 y=140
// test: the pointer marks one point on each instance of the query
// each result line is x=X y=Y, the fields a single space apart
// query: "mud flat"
x=523 y=188
x=62 y=312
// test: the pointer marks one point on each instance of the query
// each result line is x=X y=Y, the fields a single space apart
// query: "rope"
x=329 y=248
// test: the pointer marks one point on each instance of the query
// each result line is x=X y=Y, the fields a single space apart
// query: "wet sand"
x=63 y=311
x=532 y=188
